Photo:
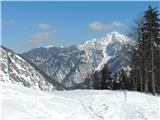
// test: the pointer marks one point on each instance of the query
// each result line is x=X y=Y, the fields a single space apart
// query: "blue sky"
x=26 y=25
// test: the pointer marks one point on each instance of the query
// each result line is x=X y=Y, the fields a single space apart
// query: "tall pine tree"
x=151 y=29
x=106 y=81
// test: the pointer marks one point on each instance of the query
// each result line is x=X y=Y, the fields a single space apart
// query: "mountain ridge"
x=71 y=65
x=17 y=70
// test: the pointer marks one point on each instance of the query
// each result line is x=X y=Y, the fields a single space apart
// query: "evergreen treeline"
x=145 y=72
x=144 y=75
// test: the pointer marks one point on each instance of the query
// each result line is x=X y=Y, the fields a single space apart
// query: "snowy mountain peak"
x=113 y=39
x=114 y=32
x=104 y=41
x=116 y=36
x=51 y=46
x=15 y=69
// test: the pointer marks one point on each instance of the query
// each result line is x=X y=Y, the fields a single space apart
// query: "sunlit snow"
x=19 y=102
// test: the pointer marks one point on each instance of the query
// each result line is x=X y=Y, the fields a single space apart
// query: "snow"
x=50 y=46
x=104 y=60
x=19 y=103
x=14 y=69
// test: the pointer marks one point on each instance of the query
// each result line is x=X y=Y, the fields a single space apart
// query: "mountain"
x=72 y=65
x=15 y=69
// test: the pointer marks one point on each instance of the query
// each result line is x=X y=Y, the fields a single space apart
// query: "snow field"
x=21 y=103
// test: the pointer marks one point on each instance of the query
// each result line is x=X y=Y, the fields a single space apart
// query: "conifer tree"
x=106 y=78
x=151 y=29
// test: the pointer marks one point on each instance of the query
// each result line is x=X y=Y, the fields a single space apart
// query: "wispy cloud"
x=44 y=26
x=4 y=22
x=99 y=26
x=38 y=37
x=45 y=33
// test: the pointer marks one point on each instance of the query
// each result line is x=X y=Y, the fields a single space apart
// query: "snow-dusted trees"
x=145 y=62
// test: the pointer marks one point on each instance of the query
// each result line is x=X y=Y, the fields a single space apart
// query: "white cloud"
x=42 y=35
x=99 y=26
x=116 y=24
x=38 y=37
x=44 y=26
x=96 y=26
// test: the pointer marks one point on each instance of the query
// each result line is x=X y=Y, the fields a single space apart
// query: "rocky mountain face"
x=15 y=69
x=72 y=65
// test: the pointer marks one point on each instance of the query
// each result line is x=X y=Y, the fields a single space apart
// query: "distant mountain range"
x=14 y=69
x=70 y=66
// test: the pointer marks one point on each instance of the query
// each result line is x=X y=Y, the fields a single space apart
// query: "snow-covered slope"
x=72 y=65
x=15 y=69
x=20 y=103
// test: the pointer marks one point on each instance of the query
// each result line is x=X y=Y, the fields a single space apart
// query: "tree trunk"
x=141 y=81
x=152 y=68
x=146 y=79
x=134 y=83
x=140 y=60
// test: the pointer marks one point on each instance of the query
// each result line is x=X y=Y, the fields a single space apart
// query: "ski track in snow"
x=21 y=103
